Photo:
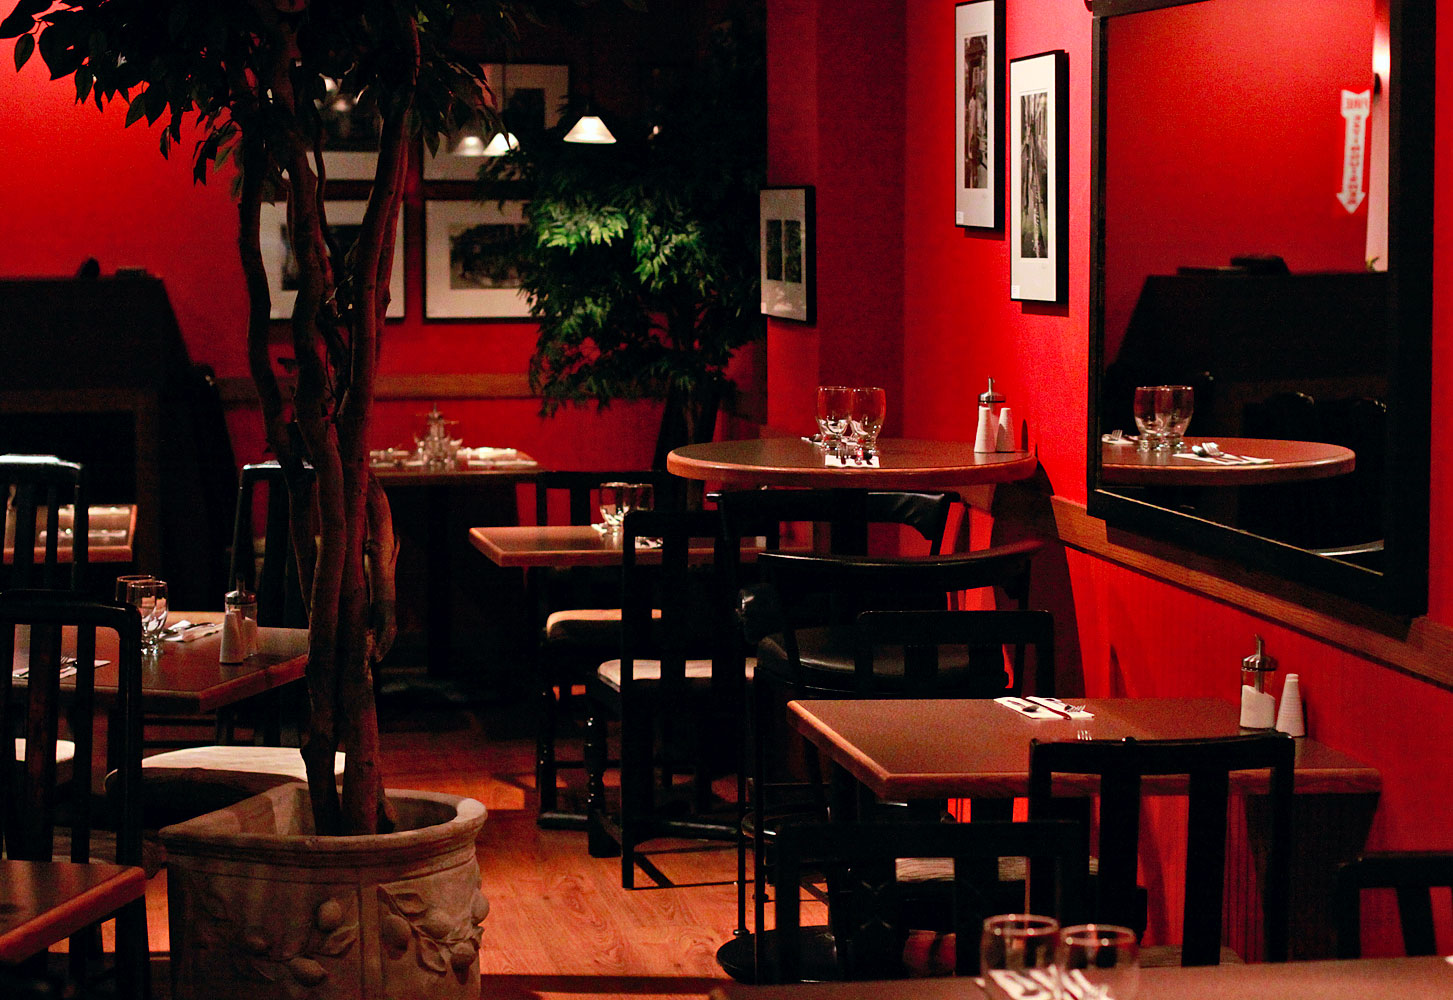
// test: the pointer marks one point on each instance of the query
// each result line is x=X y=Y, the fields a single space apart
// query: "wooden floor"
x=560 y=925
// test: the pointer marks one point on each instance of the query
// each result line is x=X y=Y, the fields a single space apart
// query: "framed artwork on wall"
x=530 y=97
x=350 y=136
x=469 y=260
x=344 y=220
x=979 y=114
x=788 y=253
x=1038 y=176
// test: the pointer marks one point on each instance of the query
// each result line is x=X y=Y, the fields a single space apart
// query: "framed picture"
x=344 y=220
x=531 y=97
x=351 y=131
x=1038 y=176
x=789 y=265
x=469 y=260
x=979 y=110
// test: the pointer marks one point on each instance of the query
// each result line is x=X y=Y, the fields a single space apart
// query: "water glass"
x=834 y=414
x=150 y=597
x=615 y=500
x=1174 y=405
x=1017 y=953
x=123 y=583
x=1148 y=417
x=1097 y=962
x=870 y=406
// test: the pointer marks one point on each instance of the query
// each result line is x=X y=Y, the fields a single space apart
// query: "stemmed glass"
x=1097 y=962
x=869 y=407
x=834 y=415
x=1016 y=954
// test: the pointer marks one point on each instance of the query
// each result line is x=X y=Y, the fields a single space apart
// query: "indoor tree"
x=246 y=79
x=641 y=257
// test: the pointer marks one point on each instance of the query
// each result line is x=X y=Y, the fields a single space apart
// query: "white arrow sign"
x=1355 y=108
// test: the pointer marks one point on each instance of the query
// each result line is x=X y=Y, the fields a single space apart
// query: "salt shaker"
x=239 y=625
x=1258 y=706
x=987 y=439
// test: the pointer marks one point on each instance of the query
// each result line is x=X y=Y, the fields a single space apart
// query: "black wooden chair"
x=275 y=580
x=1208 y=763
x=1413 y=874
x=33 y=804
x=870 y=925
x=686 y=667
x=578 y=615
x=35 y=486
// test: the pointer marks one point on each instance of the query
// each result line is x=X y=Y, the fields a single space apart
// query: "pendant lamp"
x=590 y=129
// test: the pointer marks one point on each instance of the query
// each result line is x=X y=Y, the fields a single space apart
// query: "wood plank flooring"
x=560 y=925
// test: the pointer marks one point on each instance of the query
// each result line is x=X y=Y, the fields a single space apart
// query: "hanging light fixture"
x=590 y=129
x=504 y=140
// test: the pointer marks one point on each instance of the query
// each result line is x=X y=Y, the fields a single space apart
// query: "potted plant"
x=247 y=80
x=641 y=257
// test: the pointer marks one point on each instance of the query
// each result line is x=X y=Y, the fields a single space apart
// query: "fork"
x=1083 y=734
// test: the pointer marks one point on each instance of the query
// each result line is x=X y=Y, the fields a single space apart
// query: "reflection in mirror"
x=1243 y=197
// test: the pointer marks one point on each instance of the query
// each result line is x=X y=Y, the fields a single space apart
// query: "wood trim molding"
x=1419 y=647
x=238 y=391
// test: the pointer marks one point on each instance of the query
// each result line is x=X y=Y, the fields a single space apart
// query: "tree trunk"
x=689 y=417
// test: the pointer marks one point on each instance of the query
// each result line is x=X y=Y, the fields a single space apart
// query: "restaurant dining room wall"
x=1137 y=635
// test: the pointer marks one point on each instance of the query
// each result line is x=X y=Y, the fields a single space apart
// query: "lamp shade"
x=502 y=143
x=590 y=129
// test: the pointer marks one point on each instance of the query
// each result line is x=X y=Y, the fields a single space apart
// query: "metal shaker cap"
x=1260 y=661
x=990 y=398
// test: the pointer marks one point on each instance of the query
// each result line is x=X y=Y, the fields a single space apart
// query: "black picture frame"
x=979 y=114
x=1038 y=176
x=788 y=253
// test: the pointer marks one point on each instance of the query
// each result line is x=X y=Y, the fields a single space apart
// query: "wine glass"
x=124 y=582
x=1174 y=405
x=834 y=414
x=150 y=598
x=1016 y=954
x=1098 y=962
x=870 y=406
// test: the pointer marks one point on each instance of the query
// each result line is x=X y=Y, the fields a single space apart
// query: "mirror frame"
x=1402 y=586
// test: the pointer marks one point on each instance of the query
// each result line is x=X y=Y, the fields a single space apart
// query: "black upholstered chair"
x=34 y=486
x=1413 y=874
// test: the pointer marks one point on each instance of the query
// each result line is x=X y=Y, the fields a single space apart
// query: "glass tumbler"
x=1098 y=962
x=1174 y=405
x=1148 y=418
x=150 y=598
x=615 y=500
x=1016 y=955
x=870 y=406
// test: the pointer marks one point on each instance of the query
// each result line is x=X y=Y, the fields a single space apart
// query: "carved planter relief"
x=262 y=908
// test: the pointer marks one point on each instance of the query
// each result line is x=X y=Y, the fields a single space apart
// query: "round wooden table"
x=1291 y=462
x=903 y=464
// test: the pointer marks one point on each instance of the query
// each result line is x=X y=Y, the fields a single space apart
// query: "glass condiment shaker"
x=239 y=625
x=987 y=437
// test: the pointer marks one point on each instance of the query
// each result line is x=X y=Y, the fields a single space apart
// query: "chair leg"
x=545 y=770
x=760 y=715
x=637 y=738
x=599 y=843
x=133 y=952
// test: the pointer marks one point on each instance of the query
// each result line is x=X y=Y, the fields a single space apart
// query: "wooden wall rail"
x=238 y=391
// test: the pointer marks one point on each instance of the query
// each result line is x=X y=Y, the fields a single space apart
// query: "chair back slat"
x=1413 y=875
x=38 y=486
x=276 y=583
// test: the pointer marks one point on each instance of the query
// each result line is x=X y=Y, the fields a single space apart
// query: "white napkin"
x=68 y=667
x=1043 y=708
x=489 y=454
x=833 y=462
x=1224 y=459
x=185 y=631
x=1032 y=984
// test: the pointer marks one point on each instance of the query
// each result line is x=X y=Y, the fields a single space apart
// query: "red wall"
x=78 y=185
x=1137 y=635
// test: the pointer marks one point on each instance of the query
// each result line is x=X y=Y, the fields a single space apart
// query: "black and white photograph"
x=1038 y=177
x=787 y=272
x=345 y=220
x=978 y=36
x=469 y=260
x=350 y=136
x=530 y=97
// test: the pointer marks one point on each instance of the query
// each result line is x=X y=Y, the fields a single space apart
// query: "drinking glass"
x=1173 y=407
x=1148 y=417
x=1098 y=962
x=124 y=582
x=1016 y=954
x=150 y=598
x=870 y=406
x=834 y=414
x=615 y=500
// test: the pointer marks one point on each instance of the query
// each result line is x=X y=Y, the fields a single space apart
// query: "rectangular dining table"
x=1357 y=979
x=922 y=750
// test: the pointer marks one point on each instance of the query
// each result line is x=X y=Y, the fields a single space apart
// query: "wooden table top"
x=42 y=902
x=1362 y=979
x=565 y=545
x=522 y=469
x=903 y=465
x=186 y=677
x=911 y=749
x=1291 y=461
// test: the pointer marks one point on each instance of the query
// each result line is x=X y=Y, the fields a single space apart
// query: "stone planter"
x=262 y=908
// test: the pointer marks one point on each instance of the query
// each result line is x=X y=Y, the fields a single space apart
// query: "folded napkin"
x=68 y=668
x=489 y=454
x=1224 y=459
x=1032 y=984
x=185 y=631
x=833 y=462
x=501 y=463
x=1043 y=708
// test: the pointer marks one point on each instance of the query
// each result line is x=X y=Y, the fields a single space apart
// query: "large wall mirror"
x=1262 y=233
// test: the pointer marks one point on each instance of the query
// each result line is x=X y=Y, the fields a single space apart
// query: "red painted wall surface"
x=77 y=184
x=1137 y=636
